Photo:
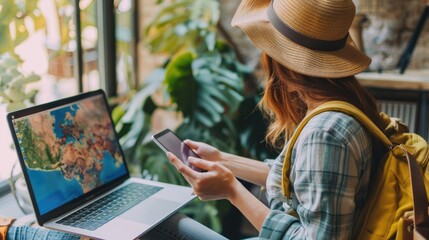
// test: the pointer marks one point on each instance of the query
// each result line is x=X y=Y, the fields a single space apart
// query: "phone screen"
x=170 y=142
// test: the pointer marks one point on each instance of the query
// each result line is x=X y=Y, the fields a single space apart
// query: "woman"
x=309 y=59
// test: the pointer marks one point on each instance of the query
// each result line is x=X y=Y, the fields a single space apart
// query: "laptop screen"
x=68 y=150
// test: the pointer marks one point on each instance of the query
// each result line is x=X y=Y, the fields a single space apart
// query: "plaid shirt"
x=330 y=171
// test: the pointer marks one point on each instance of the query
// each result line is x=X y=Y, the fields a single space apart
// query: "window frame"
x=4 y=187
x=107 y=46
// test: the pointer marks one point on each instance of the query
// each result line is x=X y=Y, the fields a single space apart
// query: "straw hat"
x=307 y=36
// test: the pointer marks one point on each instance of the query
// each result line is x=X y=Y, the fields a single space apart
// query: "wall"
x=385 y=35
x=387 y=32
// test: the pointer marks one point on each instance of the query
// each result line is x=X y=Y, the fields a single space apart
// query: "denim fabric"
x=37 y=233
x=178 y=226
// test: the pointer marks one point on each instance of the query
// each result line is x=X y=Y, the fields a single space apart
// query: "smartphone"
x=168 y=141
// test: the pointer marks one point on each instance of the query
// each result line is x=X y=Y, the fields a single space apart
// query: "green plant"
x=13 y=27
x=13 y=85
x=18 y=20
x=203 y=82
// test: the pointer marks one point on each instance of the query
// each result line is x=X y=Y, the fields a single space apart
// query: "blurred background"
x=178 y=64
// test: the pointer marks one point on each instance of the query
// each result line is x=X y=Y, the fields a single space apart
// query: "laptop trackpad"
x=151 y=210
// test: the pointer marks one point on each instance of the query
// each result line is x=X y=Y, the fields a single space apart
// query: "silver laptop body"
x=77 y=175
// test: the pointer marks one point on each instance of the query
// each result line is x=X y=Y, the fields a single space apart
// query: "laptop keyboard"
x=108 y=207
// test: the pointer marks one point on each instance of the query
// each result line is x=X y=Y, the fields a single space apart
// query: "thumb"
x=192 y=144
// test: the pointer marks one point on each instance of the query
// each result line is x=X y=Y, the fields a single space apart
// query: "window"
x=8 y=154
x=126 y=25
x=39 y=44
x=37 y=39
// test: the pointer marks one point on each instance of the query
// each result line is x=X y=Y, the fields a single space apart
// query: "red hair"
x=286 y=92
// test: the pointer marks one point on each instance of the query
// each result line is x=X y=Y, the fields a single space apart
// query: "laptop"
x=77 y=175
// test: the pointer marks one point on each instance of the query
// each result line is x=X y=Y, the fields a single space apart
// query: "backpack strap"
x=335 y=106
x=420 y=203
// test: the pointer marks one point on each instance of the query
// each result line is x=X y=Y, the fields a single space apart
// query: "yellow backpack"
x=390 y=196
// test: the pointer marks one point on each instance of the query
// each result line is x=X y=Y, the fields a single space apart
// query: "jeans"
x=178 y=226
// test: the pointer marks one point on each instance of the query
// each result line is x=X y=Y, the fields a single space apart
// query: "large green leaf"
x=222 y=89
x=204 y=88
x=181 y=84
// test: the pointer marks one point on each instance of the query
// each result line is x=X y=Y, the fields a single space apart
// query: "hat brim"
x=345 y=62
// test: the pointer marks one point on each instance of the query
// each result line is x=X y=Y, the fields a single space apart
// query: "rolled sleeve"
x=279 y=225
x=269 y=162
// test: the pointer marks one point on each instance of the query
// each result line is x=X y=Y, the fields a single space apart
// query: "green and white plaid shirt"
x=330 y=172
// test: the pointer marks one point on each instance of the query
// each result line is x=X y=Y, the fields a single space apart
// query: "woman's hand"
x=217 y=182
x=244 y=168
x=205 y=151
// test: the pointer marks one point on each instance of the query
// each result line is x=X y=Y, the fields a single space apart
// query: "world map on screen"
x=69 y=151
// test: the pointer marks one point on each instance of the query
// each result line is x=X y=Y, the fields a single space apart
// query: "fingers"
x=181 y=167
x=201 y=163
x=192 y=144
